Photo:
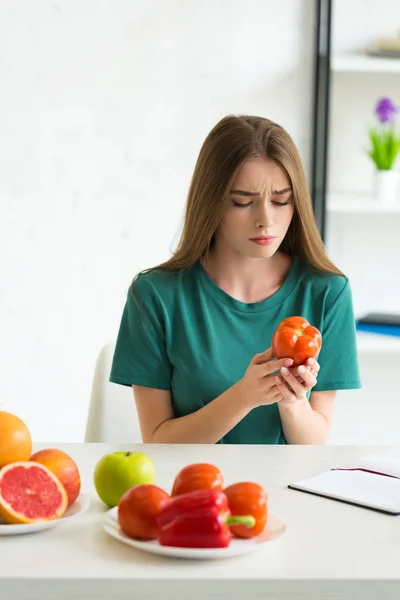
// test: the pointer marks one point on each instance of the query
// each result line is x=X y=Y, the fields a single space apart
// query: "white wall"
x=103 y=108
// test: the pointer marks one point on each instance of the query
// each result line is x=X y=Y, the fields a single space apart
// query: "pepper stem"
x=246 y=520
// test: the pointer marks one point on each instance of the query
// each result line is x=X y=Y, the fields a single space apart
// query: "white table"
x=330 y=550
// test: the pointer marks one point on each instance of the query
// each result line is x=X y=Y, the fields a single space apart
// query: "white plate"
x=274 y=529
x=77 y=508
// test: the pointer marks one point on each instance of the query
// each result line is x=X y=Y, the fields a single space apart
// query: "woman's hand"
x=258 y=386
x=294 y=383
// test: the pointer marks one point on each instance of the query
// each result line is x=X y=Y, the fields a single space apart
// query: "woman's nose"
x=264 y=217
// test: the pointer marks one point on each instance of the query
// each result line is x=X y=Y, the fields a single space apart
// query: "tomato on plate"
x=197 y=476
x=138 y=510
x=295 y=338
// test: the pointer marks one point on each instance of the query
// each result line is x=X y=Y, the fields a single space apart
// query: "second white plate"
x=276 y=527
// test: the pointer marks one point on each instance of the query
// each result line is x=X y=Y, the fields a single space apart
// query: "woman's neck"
x=248 y=279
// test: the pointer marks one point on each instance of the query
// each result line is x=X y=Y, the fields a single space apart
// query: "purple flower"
x=385 y=110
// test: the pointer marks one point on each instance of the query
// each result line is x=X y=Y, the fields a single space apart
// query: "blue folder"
x=378 y=328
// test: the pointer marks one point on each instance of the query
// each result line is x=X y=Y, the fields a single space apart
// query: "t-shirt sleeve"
x=140 y=355
x=338 y=359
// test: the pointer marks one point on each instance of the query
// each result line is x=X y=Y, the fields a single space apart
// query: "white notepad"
x=370 y=481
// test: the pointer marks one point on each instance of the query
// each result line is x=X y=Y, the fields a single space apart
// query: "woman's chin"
x=262 y=251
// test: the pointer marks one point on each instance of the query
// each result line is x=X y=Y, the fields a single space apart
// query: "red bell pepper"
x=197 y=501
x=198 y=519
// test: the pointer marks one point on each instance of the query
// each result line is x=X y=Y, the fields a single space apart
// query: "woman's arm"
x=308 y=421
x=210 y=423
x=205 y=426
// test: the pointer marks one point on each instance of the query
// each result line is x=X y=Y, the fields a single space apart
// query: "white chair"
x=112 y=415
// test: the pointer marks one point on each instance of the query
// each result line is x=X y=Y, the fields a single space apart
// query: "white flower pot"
x=386 y=186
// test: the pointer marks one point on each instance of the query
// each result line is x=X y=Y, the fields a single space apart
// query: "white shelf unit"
x=363 y=63
x=372 y=343
x=346 y=204
x=364 y=204
x=360 y=204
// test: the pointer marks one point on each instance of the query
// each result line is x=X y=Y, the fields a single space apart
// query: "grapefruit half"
x=30 y=493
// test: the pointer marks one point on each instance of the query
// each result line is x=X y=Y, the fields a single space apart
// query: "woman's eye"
x=240 y=205
x=274 y=202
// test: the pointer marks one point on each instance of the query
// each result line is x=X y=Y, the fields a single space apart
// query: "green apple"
x=116 y=472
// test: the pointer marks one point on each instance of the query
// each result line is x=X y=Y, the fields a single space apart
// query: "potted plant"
x=384 y=149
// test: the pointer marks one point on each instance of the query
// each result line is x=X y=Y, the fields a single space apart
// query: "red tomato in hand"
x=138 y=511
x=248 y=498
x=295 y=338
x=198 y=476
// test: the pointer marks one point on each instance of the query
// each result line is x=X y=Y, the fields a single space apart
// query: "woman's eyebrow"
x=281 y=192
x=244 y=193
x=248 y=193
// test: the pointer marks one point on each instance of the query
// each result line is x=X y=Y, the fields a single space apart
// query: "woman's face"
x=258 y=212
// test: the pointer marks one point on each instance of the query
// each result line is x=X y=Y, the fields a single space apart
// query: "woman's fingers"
x=273 y=366
x=313 y=365
x=263 y=357
x=285 y=391
x=299 y=387
x=277 y=365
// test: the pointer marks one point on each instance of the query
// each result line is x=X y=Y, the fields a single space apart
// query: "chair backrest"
x=112 y=415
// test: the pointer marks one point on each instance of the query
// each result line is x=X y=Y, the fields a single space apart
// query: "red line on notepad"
x=365 y=471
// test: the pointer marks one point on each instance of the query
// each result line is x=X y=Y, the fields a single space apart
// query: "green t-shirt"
x=195 y=340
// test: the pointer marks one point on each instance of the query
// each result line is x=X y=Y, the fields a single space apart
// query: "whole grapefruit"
x=63 y=467
x=15 y=439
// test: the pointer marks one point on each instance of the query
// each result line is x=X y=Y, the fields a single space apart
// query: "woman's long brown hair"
x=233 y=141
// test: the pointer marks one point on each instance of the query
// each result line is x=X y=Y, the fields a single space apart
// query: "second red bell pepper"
x=198 y=519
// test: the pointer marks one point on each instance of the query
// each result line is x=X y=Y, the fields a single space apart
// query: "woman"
x=195 y=332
